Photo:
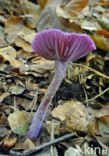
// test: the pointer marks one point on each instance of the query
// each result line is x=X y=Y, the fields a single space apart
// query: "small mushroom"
x=62 y=47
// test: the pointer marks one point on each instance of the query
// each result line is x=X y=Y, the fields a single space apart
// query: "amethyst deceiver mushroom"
x=62 y=47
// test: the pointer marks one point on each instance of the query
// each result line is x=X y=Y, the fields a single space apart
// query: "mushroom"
x=62 y=47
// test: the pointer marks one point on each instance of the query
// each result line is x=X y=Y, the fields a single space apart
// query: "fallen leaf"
x=9 y=54
x=43 y=3
x=72 y=25
x=102 y=32
x=39 y=66
x=104 y=3
x=26 y=144
x=16 y=90
x=101 y=42
x=104 y=126
x=27 y=34
x=104 y=111
x=100 y=124
x=25 y=54
x=74 y=115
x=93 y=128
x=31 y=9
x=23 y=44
x=12 y=26
x=9 y=142
x=72 y=9
x=19 y=122
x=74 y=151
x=4 y=95
x=32 y=12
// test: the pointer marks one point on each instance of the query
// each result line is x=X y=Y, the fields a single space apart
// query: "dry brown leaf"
x=12 y=26
x=23 y=44
x=17 y=89
x=74 y=115
x=3 y=96
x=27 y=144
x=72 y=9
x=37 y=69
x=104 y=3
x=27 y=34
x=104 y=126
x=104 y=111
x=74 y=26
x=24 y=54
x=31 y=9
x=101 y=42
x=102 y=32
x=43 y=3
x=9 y=54
x=100 y=124
x=42 y=64
x=24 y=39
x=9 y=142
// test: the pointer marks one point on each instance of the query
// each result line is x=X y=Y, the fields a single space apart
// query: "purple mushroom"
x=62 y=47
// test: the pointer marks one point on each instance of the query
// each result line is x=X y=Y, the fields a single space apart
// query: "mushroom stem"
x=60 y=69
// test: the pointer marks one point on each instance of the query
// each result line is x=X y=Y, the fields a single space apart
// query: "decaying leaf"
x=19 y=122
x=9 y=142
x=72 y=9
x=100 y=124
x=4 y=95
x=27 y=34
x=39 y=66
x=72 y=25
x=17 y=89
x=101 y=42
x=74 y=115
x=12 y=26
x=104 y=3
x=31 y=9
x=75 y=151
x=104 y=126
x=23 y=44
x=102 y=32
x=24 y=39
x=27 y=144
x=25 y=54
x=9 y=54
x=43 y=3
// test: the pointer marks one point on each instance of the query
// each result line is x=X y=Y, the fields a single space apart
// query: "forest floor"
x=77 y=121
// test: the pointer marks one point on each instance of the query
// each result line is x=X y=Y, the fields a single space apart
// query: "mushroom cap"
x=54 y=44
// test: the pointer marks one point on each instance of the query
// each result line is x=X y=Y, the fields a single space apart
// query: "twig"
x=93 y=70
x=52 y=138
x=29 y=152
x=86 y=96
x=98 y=95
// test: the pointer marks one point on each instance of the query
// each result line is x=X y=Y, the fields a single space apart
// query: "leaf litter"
x=23 y=74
